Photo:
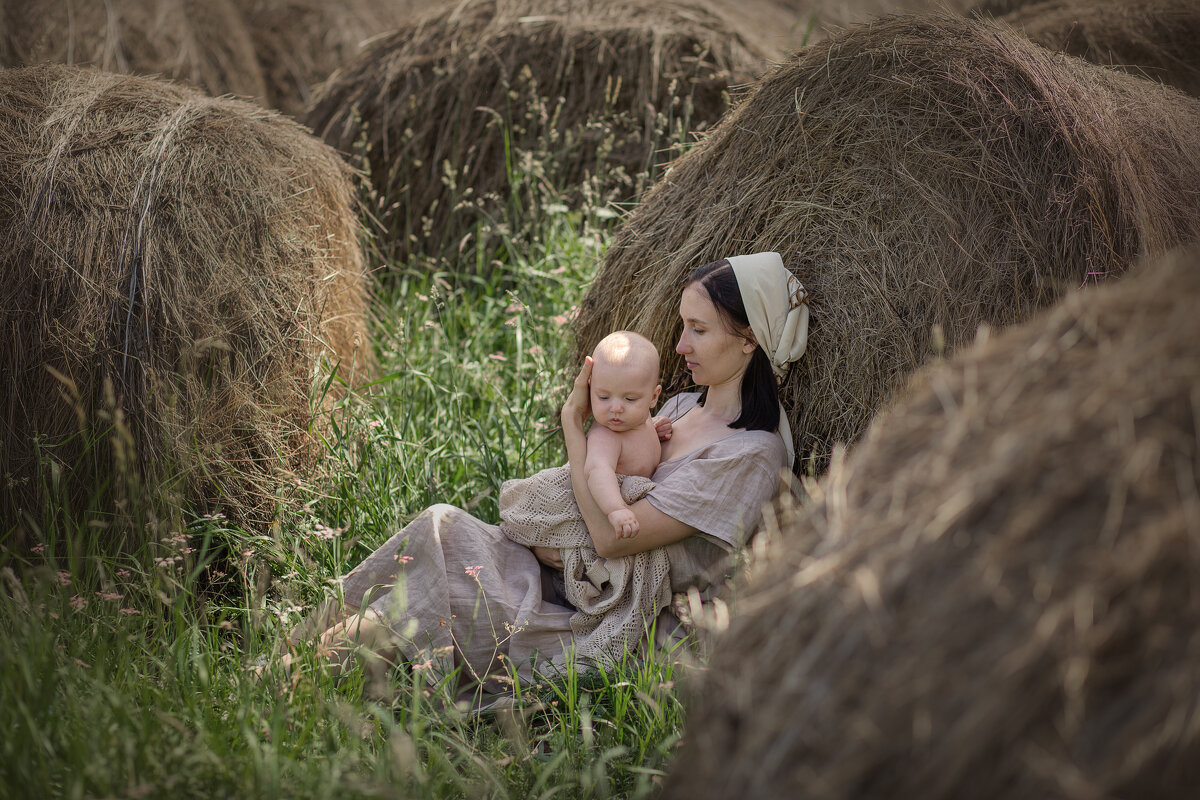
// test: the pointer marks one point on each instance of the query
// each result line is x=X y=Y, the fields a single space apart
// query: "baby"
x=624 y=441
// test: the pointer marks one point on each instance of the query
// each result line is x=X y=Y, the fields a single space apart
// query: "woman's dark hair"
x=760 y=391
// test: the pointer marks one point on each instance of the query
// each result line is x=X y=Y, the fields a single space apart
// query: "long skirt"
x=457 y=593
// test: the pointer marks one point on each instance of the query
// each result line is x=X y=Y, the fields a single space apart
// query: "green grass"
x=134 y=676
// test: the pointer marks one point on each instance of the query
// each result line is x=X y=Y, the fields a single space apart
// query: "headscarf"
x=777 y=308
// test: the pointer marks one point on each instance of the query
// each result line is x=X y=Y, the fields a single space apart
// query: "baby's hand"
x=624 y=522
x=662 y=426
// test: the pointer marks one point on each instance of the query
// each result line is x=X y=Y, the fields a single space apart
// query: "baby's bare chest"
x=640 y=452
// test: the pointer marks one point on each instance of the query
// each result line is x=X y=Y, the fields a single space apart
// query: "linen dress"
x=457 y=592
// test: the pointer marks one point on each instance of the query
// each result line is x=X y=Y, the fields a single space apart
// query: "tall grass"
x=156 y=673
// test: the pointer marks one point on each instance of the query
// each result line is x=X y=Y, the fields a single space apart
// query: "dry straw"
x=922 y=176
x=174 y=267
x=998 y=594
x=1157 y=39
x=456 y=111
x=202 y=42
x=299 y=43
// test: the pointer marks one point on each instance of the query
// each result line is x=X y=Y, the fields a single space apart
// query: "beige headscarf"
x=777 y=307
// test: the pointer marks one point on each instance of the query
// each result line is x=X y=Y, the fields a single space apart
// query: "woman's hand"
x=578 y=404
x=550 y=556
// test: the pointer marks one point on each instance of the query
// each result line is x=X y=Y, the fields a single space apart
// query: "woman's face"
x=713 y=355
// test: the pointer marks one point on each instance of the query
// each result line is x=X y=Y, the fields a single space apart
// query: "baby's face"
x=623 y=394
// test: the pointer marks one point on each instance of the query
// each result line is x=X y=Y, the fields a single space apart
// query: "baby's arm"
x=603 y=453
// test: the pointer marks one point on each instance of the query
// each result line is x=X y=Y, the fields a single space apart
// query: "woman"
x=452 y=591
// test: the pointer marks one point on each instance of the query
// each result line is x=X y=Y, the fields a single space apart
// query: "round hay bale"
x=1155 y=39
x=999 y=594
x=997 y=8
x=174 y=269
x=202 y=42
x=776 y=25
x=830 y=15
x=921 y=176
x=299 y=43
x=464 y=117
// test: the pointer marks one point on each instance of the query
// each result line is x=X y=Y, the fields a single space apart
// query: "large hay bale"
x=299 y=43
x=999 y=594
x=1156 y=39
x=173 y=260
x=466 y=115
x=921 y=176
x=202 y=42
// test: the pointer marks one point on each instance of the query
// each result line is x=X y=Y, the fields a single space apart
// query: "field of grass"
x=140 y=676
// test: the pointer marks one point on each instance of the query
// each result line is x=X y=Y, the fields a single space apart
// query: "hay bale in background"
x=996 y=8
x=829 y=15
x=777 y=25
x=173 y=260
x=467 y=115
x=918 y=172
x=299 y=43
x=202 y=42
x=999 y=594
x=1156 y=39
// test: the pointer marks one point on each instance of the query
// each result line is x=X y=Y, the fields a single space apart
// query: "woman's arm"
x=655 y=529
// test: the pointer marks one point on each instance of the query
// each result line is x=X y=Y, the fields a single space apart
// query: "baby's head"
x=624 y=383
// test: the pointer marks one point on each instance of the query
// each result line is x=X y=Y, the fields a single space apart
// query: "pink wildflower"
x=427 y=664
x=131 y=611
x=123 y=573
x=78 y=603
x=374 y=424
x=498 y=357
x=38 y=548
x=473 y=571
x=404 y=559
x=64 y=578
